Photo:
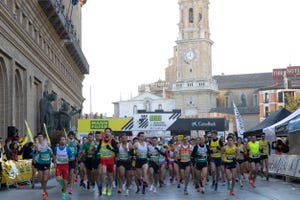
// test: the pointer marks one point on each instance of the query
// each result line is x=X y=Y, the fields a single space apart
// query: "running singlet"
x=154 y=154
x=73 y=146
x=123 y=154
x=172 y=155
x=201 y=154
x=62 y=156
x=241 y=149
x=44 y=154
x=106 y=153
x=142 y=151
x=185 y=153
x=215 y=148
x=264 y=146
x=98 y=155
x=230 y=154
x=254 y=149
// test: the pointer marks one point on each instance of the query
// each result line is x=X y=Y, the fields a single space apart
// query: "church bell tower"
x=194 y=90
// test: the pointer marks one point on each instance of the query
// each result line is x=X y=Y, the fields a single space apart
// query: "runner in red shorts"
x=62 y=155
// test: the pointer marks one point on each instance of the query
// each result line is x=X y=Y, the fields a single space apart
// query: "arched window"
x=243 y=100
x=134 y=109
x=191 y=15
x=159 y=107
x=147 y=105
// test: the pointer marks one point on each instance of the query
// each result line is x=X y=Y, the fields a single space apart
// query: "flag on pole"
x=66 y=133
x=239 y=121
x=47 y=135
x=29 y=131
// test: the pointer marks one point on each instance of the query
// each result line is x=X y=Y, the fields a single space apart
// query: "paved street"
x=275 y=189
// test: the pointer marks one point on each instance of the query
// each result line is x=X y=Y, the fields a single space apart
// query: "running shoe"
x=252 y=183
x=82 y=184
x=63 y=196
x=203 y=190
x=119 y=190
x=126 y=192
x=137 y=190
x=178 y=185
x=104 y=189
x=216 y=186
x=267 y=178
x=45 y=195
x=70 y=191
x=109 y=192
x=151 y=188
x=231 y=192
x=155 y=190
x=185 y=191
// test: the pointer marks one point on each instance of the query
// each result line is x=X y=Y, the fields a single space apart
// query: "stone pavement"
x=274 y=189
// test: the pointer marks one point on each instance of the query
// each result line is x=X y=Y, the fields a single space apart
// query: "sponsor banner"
x=205 y=124
x=285 y=164
x=88 y=125
x=152 y=121
x=18 y=171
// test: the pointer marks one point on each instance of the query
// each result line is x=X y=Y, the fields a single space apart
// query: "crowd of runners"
x=101 y=162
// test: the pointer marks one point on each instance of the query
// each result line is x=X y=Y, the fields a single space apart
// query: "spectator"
x=14 y=150
x=7 y=153
x=27 y=150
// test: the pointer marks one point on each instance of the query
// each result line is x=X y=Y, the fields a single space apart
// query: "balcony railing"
x=195 y=85
x=54 y=11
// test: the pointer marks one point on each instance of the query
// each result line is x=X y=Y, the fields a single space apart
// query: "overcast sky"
x=128 y=43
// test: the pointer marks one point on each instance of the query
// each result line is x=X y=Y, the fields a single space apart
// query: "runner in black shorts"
x=73 y=145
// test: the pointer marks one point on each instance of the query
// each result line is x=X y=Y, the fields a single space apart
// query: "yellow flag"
x=47 y=135
x=24 y=141
x=29 y=131
x=66 y=133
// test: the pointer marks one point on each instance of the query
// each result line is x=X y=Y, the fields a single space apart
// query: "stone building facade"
x=39 y=53
x=147 y=101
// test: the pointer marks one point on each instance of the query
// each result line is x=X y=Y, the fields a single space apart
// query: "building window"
x=226 y=102
x=243 y=100
x=255 y=100
x=147 y=106
x=159 y=107
x=191 y=15
x=134 y=109
x=266 y=111
x=266 y=98
x=280 y=97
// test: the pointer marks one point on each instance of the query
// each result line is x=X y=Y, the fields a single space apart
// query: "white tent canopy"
x=270 y=131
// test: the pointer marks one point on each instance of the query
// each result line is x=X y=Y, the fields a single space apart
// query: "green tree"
x=291 y=102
